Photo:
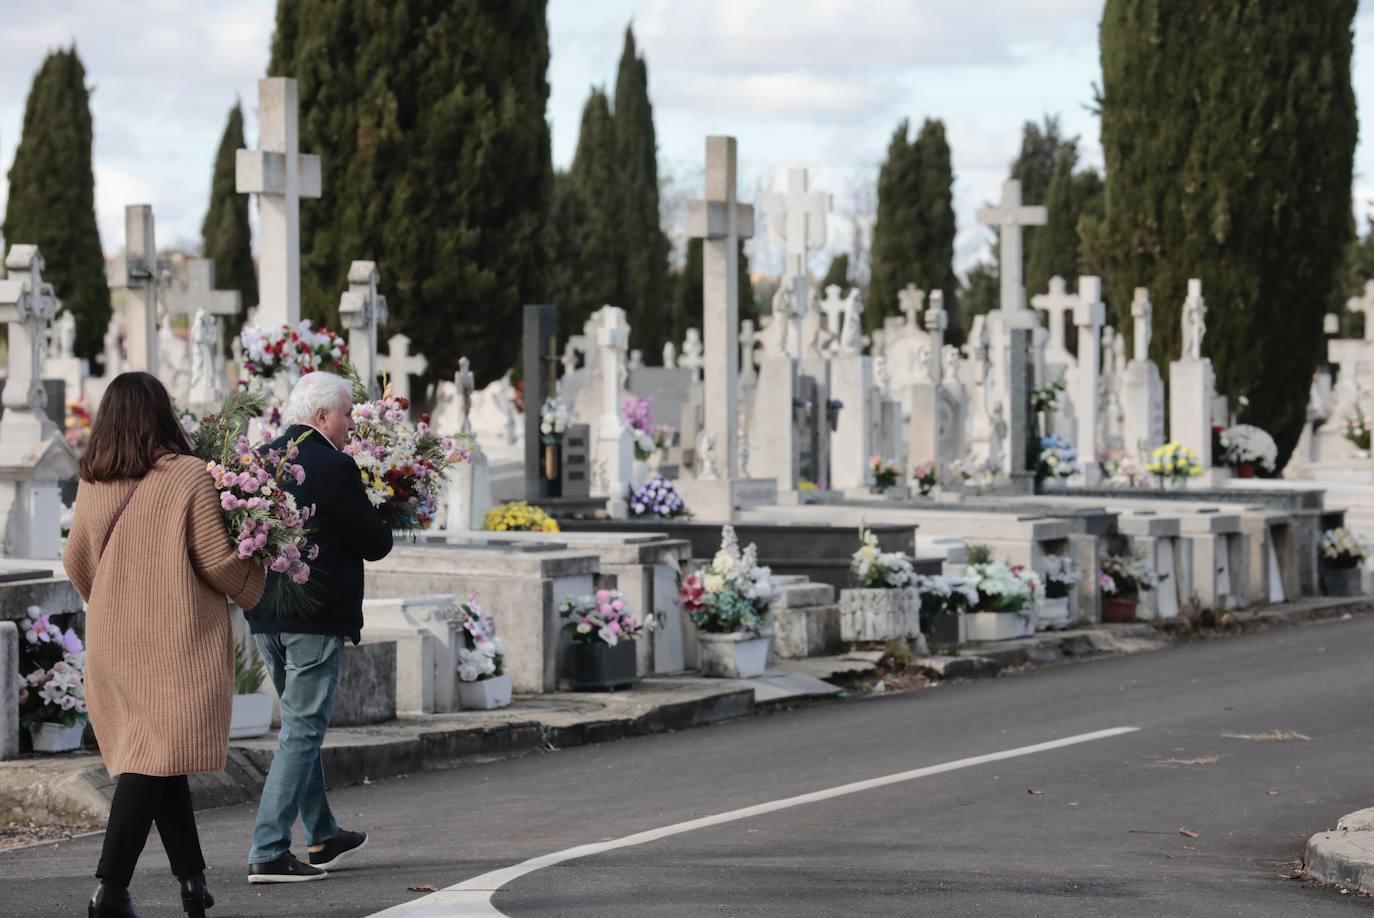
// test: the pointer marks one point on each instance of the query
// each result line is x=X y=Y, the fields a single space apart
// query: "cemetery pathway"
x=1245 y=747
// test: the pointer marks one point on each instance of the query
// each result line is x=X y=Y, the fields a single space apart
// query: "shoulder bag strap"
x=118 y=513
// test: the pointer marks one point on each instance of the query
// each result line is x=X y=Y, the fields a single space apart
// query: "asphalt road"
x=1089 y=829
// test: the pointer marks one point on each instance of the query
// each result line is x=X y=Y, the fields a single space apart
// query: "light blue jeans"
x=305 y=670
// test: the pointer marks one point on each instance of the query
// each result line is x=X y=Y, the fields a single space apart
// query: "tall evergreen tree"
x=643 y=244
x=688 y=310
x=838 y=272
x=1209 y=114
x=913 y=237
x=225 y=234
x=429 y=117
x=52 y=195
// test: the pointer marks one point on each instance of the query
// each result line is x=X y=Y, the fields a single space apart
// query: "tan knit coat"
x=159 y=651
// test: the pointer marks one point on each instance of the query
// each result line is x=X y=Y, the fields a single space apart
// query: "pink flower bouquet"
x=51 y=662
x=604 y=616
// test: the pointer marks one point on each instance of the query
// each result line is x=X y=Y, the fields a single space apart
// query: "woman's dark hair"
x=134 y=426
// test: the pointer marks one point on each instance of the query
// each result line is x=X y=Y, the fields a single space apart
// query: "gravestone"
x=191 y=292
x=1192 y=382
x=1144 y=388
x=541 y=382
x=798 y=218
x=363 y=312
x=1088 y=316
x=468 y=491
x=577 y=464
x=399 y=365
x=135 y=273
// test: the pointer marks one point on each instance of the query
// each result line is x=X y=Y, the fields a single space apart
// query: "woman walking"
x=149 y=553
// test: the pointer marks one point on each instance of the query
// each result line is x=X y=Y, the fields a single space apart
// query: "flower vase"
x=1055 y=613
x=742 y=655
x=551 y=470
x=1342 y=581
x=595 y=666
x=1120 y=609
x=999 y=626
x=485 y=694
x=250 y=715
x=49 y=737
x=1244 y=469
x=945 y=630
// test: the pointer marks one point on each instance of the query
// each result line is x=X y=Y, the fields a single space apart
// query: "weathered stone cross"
x=362 y=310
x=135 y=272
x=27 y=306
x=720 y=221
x=280 y=175
x=798 y=218
x=1009 y=216
x=1057 y=303
x=399 y=364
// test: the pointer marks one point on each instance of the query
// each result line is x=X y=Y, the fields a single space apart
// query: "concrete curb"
x=1344 y=856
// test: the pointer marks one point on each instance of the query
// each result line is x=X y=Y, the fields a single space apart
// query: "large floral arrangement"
x=1058 y=459
x=296 y=349
x=940 y=594
x=482 y=655
x=1005 y=587
x=1344 y=548
x=402 y=464
x=657 y=497
x=876 y=569
x=553 y=421
x=260 y=514
x=1357 y=429
x=1121 y=468
x=77 y=426
x=604 y=616
x=518 y=516
x=1126 y=576
x=1045 y=399
x=926 y=476
x=1060 y=573
x=637 y=414
x=1245 y=444
x=51 y=662
x=733 y=592
x=1174 y=461
x=885 y=474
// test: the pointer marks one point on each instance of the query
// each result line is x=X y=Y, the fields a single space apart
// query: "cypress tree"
x=935 y=258
x=644 y=246
x=429 y=117
x=225 y=234
x=688 y=309
x=52 y=195
x=1229 y=132
x=838 y=272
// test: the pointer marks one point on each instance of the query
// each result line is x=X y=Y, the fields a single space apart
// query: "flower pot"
x=999 y=626
x=945 y=630
x=56 y=737
x=742 y=655
x=1054 y=483
x=1120 y=609
x=484 y=694
x=595 y=666
x=250 y=716
x=1342 y=581
x=1054 y=613
x=879 y=614
x=551 y=470
x=1243 y=470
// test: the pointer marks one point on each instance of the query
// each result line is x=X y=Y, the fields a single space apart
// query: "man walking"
x=303 y=650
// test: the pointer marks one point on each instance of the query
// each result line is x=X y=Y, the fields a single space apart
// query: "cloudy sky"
x=806 y=82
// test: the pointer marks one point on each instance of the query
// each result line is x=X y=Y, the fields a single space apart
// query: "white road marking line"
x=472 y=898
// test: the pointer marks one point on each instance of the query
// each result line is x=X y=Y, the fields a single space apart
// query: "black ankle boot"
x=195 y=897
x=111 y=901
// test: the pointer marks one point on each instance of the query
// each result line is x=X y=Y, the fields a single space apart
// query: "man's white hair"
x=314 y=391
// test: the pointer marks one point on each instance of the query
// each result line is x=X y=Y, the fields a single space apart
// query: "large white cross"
x=1089 y=315
x=400 y=364
x=362 y=310
x=27 y=306
x=1057 y=303
x=280 y=175
x=798 y=218
x=136 y=273
x=720 y=221
x=194 y=291
x=1009 y=216
x=1364 y=303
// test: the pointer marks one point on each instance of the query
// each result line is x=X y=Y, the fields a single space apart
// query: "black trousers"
x=139 y=801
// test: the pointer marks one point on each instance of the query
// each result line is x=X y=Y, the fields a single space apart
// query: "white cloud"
x=817 y=98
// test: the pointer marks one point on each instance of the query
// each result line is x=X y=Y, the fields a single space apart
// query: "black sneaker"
x=337 y=848
x=285 y=869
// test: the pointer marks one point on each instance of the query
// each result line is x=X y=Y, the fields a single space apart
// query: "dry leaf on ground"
x=1188 y=833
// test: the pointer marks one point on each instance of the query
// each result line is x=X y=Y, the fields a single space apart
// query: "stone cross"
x=692 y=354
x=135 y=272
x=615 y=448
x=1364 y=303
x=937 y=321
x=1009 y=216
x=798 y=218
x=399 y=364
x=27 y=305
x=720 y=221
x=1194 y=321
x=196 y=291
x=1057 y=303
x=1089 y=315
x=280 y=175
x=465 y=384
x=832 y=307
x=748 y=341
x=910 y=300
x=362 y=310
x=1142 y=316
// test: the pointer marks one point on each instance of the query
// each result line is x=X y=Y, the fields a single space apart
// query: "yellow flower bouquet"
x=1174 y=462
x=518 y=516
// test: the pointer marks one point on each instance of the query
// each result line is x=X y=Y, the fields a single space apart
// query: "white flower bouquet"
x=553 y=421
x=1060 y=573
x=1005 y=587
x=1126 y=576
x=1343 y=548
x=880 y=570
x=1248 y=445
x=482 y=655
x=946 y=594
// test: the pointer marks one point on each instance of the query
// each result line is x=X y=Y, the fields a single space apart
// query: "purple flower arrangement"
x=657 y=497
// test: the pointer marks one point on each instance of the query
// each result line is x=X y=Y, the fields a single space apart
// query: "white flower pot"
x=1054 y=614
x=999 y=626
x=484 y=694
x=251 y=715
x=733 y=656
x=56 y=737
x=879 y=615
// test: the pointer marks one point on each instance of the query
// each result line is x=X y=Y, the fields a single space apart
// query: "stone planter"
x=1054 y=483
x=945 y=630
x=56 y=737
x=1120 y=609
x=742 y=655
x=594 y=666
x=879 y=615
x=484 y=694
x=250 y=716
x=1054 y=614
x=999 y=626
x=1342 y=581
